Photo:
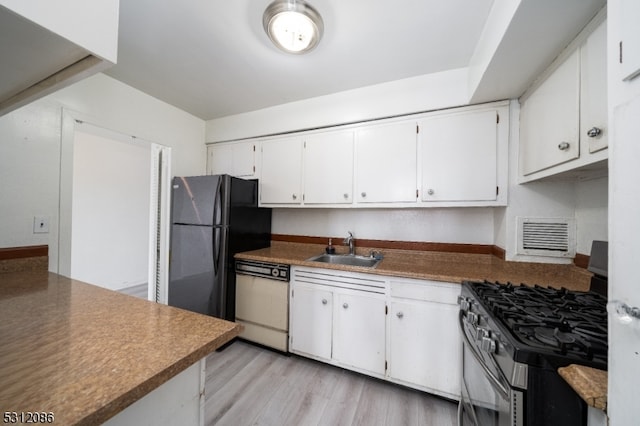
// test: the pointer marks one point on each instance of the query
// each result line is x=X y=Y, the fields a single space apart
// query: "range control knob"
x=274 y=272
x=488 y=345
x=464 y=303
x=482 y=332
x=472 y=318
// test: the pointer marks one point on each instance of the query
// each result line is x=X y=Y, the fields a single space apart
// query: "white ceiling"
x=212 y=58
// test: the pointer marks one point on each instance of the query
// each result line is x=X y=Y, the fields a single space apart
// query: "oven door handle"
x=493 y=379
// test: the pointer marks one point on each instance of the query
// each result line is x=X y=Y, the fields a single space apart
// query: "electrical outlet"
x=40 y=225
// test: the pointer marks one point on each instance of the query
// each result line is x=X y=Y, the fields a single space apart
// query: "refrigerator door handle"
x=216 y=250
x=217 y=203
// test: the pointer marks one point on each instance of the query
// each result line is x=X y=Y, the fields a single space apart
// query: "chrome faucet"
x=351 y=242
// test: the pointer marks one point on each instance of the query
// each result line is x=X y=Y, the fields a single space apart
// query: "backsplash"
x=24 y=259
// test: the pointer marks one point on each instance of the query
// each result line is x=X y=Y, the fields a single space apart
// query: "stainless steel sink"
x=347 y=259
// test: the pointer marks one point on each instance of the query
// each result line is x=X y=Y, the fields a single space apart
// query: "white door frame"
x=159 y=224
x=159 y=214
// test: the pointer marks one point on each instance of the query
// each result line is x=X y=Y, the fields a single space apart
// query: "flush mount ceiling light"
x=293 y=25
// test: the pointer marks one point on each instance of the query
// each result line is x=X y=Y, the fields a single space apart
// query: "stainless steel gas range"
x=514 y=338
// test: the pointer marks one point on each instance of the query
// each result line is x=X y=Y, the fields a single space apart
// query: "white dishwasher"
x=262 y=302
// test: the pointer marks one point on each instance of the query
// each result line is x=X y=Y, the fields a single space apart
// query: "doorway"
x=114 y=210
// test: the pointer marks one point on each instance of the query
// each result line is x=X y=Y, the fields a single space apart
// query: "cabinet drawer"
x=433 y=291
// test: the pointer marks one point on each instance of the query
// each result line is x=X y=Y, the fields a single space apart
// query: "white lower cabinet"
x=281 y=172
x=425 y=349
x=401 y=330
x=339 y=317
x=311 y=320
x=358 y=338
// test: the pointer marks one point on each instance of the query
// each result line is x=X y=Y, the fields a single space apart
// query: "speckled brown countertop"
x=589 y=383
x=438 y=266
x=85 y=353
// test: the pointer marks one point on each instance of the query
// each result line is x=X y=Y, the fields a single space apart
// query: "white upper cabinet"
x=549 y=120
x=236 y=159
x=281 y=171
x=386 y=163
x=328 y=168
x=563 y=120
x=593 y=90
x=459 y=156
x=456 y=157
x=630 y=44
x=53 y=44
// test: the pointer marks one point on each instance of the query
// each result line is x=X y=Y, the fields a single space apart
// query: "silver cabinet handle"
x=430 y=192
x=324 y=301
x=345 y=195
x=364 y=194
x=563 y=146
x=594 y=132
x=345 y=305
x=399 y=314
x=294 y=196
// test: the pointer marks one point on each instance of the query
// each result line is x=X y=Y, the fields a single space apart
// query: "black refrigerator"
x=212 y=219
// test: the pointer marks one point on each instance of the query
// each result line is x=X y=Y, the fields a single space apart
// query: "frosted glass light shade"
x=293 y=26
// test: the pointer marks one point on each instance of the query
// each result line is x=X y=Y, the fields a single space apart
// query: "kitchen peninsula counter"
x=83 y=353
x=437 y=266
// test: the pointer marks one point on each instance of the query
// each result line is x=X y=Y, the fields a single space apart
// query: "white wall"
x=534 y=199
x=416 y=94
x=110 y=222
x=462 y=225
x=592 y=205
x=108 y=103
x=29 y=173
x=30 y=149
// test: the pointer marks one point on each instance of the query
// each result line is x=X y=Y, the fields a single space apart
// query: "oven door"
x=486 y=397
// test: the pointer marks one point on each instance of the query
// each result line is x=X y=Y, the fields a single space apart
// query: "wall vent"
x=540 y=236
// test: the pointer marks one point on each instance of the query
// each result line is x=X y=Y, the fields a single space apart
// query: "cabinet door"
x=630 y=44
x=328 y=168
x=424 y=346
x=549 y=120
x=281 y=171
x=359 y=332
x=235 y=159
x=311 y=321
x=459 y=156
x=386 y=163
x=593 y=90
x=219 y=159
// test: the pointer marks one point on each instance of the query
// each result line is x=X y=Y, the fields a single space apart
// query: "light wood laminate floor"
x=250 y=385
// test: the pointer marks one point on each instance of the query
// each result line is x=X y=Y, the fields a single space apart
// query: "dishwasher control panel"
x=274 y=271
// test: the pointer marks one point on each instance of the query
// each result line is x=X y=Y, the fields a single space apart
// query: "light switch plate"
x=40 y=225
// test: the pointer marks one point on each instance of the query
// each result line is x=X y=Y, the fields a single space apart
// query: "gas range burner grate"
x=564 y=322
